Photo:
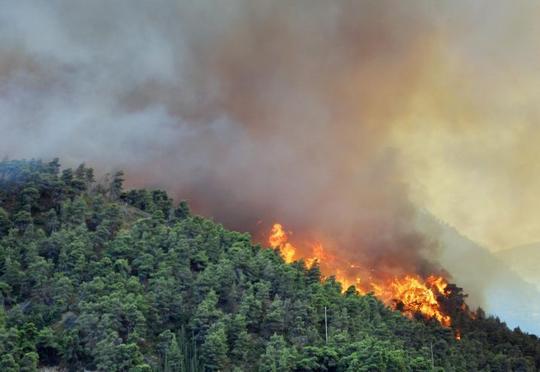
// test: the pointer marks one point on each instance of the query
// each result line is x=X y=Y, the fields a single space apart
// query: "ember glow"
x=411 y=294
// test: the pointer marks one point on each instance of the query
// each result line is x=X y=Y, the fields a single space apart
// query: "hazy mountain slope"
x=489 y=280
x=525 y=260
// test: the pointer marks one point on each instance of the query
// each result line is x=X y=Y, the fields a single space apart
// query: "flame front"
x=413 y=295
x=410 y=293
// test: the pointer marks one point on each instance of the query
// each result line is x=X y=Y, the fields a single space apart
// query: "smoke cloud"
x=338 y=119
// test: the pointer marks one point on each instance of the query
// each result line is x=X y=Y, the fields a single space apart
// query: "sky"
x=340 y=119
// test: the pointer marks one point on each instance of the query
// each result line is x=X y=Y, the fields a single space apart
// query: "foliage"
x=92 y=277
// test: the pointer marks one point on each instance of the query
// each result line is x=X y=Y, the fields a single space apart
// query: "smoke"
x=333 y=118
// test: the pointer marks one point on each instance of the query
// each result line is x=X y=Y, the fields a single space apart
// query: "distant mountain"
x=491 y=280
x=525 y=260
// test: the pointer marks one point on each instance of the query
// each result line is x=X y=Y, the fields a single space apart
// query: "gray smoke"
x=252 y=110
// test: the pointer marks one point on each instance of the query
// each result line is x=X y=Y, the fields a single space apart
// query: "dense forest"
x=94 y=277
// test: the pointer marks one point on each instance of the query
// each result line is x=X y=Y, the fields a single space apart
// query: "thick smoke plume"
x=289 y=111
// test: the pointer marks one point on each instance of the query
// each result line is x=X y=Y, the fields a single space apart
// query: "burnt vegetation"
x=94 y=277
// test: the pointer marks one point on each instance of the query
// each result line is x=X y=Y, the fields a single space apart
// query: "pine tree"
x=278 y=357
x=8 y=364
x=214 y=349
x=174 y=361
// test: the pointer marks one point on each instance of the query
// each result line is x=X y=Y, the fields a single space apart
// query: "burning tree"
x=431 y=296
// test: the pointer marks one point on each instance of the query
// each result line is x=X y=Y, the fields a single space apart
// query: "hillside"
x=94 y=277
x=524 y=259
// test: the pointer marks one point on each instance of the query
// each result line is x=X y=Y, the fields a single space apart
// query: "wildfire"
x=411 y=294
x=279 y=240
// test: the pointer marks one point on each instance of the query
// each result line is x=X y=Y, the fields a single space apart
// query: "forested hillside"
x=94 y=277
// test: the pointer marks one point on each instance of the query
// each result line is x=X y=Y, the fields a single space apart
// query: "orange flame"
x=410 y=294
x=279 y=240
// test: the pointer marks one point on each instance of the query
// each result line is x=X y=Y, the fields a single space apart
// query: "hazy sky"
x=339 y=116
x=471 y=132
